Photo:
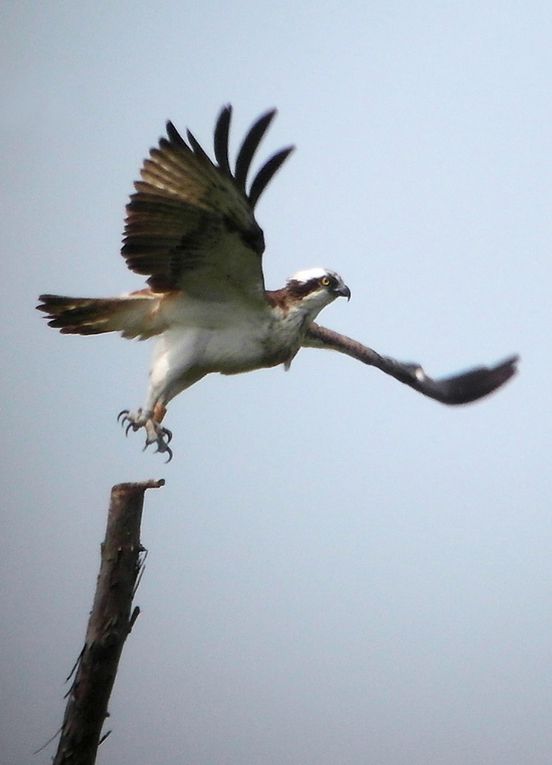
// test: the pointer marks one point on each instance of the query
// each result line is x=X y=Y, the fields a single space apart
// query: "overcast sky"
x=340 y=571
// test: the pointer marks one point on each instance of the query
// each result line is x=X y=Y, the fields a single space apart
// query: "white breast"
x=219 y=337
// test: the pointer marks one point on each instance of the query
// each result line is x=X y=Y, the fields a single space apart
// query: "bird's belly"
x=242 y=349
x=218 y=338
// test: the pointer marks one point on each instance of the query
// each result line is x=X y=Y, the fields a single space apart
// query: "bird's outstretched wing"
x=458 y=389
x=191 y=225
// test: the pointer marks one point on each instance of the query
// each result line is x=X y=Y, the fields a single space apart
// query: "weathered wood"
x=108 y=626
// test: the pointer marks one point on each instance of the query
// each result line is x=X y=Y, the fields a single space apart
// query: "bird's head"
x=317 y=288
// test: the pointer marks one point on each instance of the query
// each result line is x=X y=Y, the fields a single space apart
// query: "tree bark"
x=108 y=626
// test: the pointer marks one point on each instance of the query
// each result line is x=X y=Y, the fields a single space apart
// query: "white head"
x=316 y=288
x=307 y=274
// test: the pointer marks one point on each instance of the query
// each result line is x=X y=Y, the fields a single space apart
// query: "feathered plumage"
x=191 y=229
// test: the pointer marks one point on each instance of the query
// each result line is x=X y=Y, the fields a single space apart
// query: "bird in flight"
x=191 y=228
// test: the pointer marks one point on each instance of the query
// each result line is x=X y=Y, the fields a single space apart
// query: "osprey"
x=191 y=228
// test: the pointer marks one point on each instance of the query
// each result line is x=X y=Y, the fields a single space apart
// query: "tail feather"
x=135 y=315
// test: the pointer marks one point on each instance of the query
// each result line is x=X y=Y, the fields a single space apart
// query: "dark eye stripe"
x=300 y=289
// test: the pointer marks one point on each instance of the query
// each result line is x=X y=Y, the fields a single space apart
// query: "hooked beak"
x=343 y=291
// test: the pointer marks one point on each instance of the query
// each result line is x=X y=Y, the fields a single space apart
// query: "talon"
x=155 y=433
x=123 y=414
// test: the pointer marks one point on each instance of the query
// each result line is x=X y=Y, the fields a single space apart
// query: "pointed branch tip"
x=139 y=486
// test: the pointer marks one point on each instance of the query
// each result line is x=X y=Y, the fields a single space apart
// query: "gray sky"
x=340 y=571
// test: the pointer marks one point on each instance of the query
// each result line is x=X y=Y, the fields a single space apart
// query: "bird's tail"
x=134 y=315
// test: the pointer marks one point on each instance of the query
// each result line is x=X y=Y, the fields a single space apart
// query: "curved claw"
x=155 y=433
x=123 y=414
x=161 y=448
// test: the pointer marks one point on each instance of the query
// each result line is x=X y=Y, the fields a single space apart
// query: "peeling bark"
x=111 y=620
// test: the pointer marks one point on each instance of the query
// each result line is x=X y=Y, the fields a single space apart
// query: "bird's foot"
x=155 y=432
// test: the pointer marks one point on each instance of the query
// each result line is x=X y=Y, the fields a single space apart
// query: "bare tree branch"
x=108 y=626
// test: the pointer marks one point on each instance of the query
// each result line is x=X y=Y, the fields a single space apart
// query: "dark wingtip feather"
x=266 y=173
x=222 y=130
x=476 y=383
x=249 y=147
x=246 y=152
x=197 y=148
x=48 y=302
x=175 y=137
x=43 y=302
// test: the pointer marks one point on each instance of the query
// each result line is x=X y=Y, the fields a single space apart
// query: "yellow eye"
x=325 y=281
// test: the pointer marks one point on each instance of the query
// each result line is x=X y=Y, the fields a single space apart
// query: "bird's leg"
x=159 y=411
x=170 y=374
x=150 y=420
